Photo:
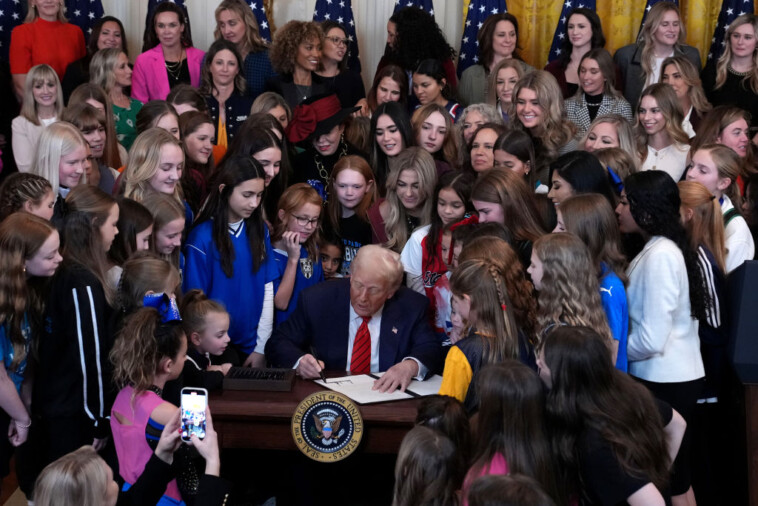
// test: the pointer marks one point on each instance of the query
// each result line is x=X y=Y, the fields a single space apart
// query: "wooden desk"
x=250 y=419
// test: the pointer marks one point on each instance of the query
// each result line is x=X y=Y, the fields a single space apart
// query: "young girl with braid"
x=564 y=274
x=22 y=191
x=481 y=298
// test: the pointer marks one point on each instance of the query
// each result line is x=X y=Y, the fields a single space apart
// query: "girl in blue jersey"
x=295 y=241
x=228 y=255
x=592 y=220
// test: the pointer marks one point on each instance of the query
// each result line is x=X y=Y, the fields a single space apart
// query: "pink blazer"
x=150 y=79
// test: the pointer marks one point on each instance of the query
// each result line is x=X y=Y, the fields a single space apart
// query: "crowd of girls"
x=574 y=225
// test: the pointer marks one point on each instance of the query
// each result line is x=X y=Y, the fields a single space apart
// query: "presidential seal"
x=327 y=426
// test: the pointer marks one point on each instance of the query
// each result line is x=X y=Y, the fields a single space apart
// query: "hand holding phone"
x=194 y=404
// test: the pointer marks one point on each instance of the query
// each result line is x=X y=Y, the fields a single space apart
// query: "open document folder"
x=358 y=388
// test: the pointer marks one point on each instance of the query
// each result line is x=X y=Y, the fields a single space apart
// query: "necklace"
x=304 y=90
x=174 y=68
x=322 y=172
x=659 y=154
x=740 y=74
x=156 y=390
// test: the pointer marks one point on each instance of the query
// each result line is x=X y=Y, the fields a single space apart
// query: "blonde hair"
x=101 y=68
x=555 y=131
x=252 y=42
x=691 y=77
x=195 y=308
x=668 y=103
x=449 y=149
x=144 y=272
x=491 y=312
x=40 y=74
x=645 y=38
x=32 y=15
x=56 y=141
x=381 y=260
x=722 y=67
x=624 y=132
x=144 y=161
x=270 y=100
x=729 y=165
x=492 y=98
x=706 y=227
x=622 y=162
x=417 y=160
x=78 y=478
x=570 y=292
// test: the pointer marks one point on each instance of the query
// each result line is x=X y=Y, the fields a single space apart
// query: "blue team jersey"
x=243 y=293
x=613 y=296
x=7 y=353
x=309 y=273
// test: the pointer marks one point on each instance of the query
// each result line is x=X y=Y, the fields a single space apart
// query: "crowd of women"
x=573 y=225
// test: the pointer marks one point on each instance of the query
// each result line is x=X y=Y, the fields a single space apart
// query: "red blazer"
x=150 y=79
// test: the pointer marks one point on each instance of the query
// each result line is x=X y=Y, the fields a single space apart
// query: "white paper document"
x=358 y=388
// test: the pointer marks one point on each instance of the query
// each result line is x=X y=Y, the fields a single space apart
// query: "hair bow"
x=165 y=305
x=617 y=182
x=303 y=123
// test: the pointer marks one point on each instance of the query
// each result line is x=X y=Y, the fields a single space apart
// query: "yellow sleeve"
x=457 y=375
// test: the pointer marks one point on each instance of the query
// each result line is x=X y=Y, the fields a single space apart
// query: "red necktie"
x=360 y=362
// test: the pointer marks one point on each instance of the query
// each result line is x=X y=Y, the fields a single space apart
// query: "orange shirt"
x=55 y=43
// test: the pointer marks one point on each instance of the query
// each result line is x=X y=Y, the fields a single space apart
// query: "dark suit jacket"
x=629 y=62
x=321 y=320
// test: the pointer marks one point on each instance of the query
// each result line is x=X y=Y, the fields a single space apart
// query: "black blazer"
x=321 y=321
x=628 y=59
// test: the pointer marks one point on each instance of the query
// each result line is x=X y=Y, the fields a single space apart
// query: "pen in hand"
x=321 y=372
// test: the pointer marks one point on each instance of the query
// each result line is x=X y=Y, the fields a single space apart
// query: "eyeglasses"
x=338 y=42
x=303 y=220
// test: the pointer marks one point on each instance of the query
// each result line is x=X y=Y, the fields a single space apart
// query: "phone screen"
x=194 y=402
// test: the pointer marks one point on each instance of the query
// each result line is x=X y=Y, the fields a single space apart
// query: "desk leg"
x=751 y=426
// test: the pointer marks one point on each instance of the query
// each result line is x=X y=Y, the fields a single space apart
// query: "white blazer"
x=663 y=345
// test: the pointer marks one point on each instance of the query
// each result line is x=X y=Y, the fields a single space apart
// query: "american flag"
x=341 y=11
x=151 y=4
x=560 y=30
x=11 y=15
x=730 y=9
x=649 y=6
x=84 y=14
x=260 y=14
x=478 y=11
x=427 y=5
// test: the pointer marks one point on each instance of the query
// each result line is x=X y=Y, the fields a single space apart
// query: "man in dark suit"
x=335 y=320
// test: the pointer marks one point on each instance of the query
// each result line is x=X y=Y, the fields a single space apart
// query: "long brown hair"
x=570 y=292
x=590 y=217
x=449 y=149
x=668 y=103
x=520 y=290
x=511 y=423
x=88 y=208
x=491 y=313
x=142 y=344
x=21 y=236
x=589 y=393
x=706 y=227
x=508 y=189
